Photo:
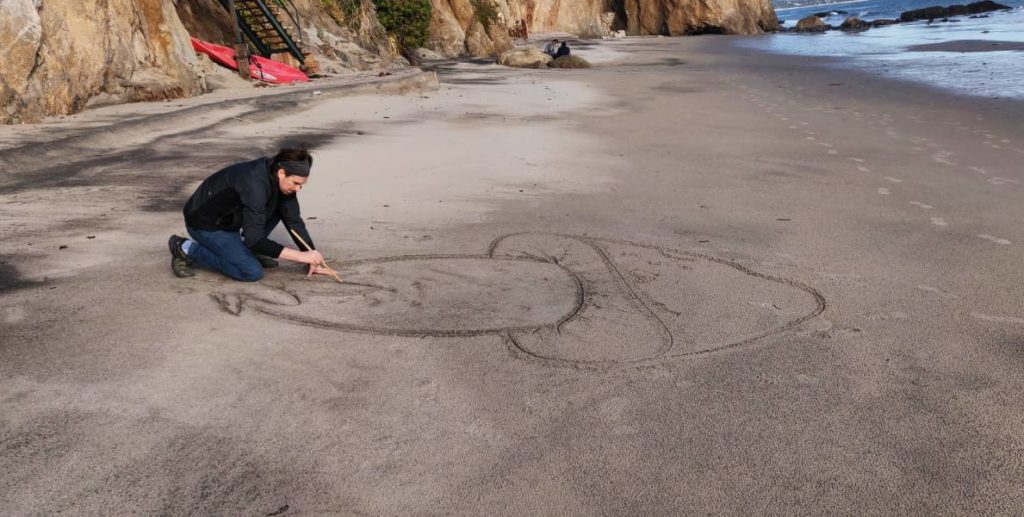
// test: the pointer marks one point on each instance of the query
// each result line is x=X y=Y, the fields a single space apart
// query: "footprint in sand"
x=883 y=191
x=993 y=238
x=943 y=157
x=858 y=160
x=922 y=205
x=893 y=180
x=998 y=319
x=938 y=221
x=940 y=292
x=863 y=168
x=996 y=180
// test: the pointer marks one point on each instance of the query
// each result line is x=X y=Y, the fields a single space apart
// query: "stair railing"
x=285 y=36
x=261 y=47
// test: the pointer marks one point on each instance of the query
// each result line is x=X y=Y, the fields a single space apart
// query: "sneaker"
x=266 y=261
x=181 y=266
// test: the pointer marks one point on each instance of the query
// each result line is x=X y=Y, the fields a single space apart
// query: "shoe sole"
x=175 y=248
x=181 y=272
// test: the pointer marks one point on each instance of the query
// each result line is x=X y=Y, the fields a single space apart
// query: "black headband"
x=295 y=168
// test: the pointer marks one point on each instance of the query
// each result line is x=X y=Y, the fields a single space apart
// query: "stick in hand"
x=308 y=248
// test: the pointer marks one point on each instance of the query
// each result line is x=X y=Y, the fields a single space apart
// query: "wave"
x=826 y=4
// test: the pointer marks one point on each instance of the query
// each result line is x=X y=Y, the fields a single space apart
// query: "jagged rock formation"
x=455 y=28
x=59 y=59
x=681 y=17
x=459 y=27
x=76 y=53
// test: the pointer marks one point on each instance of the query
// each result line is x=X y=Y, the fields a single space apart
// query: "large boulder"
x=524 y=57
x=56 y=60
x=854 y=24
x=811 y=24
x=21 y=33
x=569 y=62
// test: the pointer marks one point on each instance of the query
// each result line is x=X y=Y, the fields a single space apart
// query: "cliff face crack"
x=577 y=310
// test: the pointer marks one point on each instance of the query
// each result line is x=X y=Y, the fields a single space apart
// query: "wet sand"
x=693 y=279
x=969 y=46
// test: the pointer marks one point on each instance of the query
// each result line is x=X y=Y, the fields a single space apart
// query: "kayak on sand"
x=260 y=68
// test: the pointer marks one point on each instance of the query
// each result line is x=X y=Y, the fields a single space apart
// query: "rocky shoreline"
x=815 y=23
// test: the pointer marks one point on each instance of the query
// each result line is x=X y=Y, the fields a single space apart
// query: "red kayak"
x=260 y=68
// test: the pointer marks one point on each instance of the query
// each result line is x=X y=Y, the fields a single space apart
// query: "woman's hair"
x=291 y=154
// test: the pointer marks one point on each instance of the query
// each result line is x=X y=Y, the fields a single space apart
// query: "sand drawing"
x=554 y=297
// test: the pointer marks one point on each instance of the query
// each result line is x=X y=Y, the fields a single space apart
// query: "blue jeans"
x=225 y=252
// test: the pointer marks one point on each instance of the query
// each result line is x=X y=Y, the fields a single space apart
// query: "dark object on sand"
x=811 y=24
x=563 y=50
x=938 y=12
x=569 y=62
x=854 y=24
x=181 y=266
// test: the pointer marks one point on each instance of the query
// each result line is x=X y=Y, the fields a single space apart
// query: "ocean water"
x=992 y=65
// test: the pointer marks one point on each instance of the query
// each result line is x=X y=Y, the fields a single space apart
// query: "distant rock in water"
x=569 y=62
x=826 y=14
x=854 y=24
x=811 y=24
x=938 y=12
x=882 y=22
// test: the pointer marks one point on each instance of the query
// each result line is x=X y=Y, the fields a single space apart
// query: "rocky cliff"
x=679 y=17
x=456 y=27
x=60 y=58
x=469 y=27
x=63 y=55
x=340 y=34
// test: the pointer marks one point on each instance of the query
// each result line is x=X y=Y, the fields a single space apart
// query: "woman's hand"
x=312 y=257
x=315 y=269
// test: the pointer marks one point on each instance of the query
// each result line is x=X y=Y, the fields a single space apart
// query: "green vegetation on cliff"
x=486 y=12
x=407 y=20
x=345 y=12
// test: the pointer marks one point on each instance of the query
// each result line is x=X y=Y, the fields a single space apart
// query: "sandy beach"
x=692 y=279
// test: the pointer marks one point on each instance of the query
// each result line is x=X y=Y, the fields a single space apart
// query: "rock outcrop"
x=854 y=24
x=584 y=18
x=938 y=12
x=811 y=24
x=569 y=62
x=524 y=57
x=58 y=59
x=682 y=17
x=459 y=27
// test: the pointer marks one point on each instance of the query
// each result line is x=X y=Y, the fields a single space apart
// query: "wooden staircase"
x=271 y=26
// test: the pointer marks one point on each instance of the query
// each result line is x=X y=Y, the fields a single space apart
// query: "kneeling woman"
x=231 y=214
